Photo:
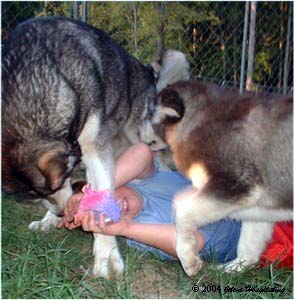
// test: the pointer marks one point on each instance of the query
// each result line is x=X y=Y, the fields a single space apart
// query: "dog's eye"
x=148 y=116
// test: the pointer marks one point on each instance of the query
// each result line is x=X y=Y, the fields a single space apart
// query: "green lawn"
x=57 y=265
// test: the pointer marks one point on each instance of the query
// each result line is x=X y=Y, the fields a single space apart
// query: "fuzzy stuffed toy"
x=99 y=202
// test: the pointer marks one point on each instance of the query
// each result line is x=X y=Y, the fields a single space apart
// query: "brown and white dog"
x=237 y=151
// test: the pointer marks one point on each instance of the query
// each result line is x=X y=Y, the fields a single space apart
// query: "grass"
x=57 y=265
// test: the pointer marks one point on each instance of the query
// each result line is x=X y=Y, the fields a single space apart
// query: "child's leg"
x=221 y=240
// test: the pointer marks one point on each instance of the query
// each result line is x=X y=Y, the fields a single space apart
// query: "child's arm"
x=161 y=236
x=135 y=162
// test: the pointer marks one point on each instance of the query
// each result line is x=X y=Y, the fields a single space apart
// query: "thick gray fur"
x=68 y=92
x=55 y=73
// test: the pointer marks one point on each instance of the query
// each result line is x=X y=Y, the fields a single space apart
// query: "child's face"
x=129 y=201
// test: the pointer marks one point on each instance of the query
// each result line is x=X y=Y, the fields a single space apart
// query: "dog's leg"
x=49 y=220
x=97 y=157
x=253 y=240
x=107 y=258
x=186 y=243
x=195 y=209
x=55 y=207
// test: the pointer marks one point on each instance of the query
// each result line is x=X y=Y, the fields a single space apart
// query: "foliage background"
x=209 y=33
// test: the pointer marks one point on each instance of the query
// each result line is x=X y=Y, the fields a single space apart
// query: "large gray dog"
x=238 y=152
x=68 y=90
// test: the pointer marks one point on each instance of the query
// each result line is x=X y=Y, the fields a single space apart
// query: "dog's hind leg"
x=97 y=157
x=252 y=242
x=55 y=207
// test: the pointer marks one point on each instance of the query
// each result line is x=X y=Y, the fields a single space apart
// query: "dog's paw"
x=49 y=220
x=101 y=267
x=236 y=265
x=189 y=258
x=107 y=267
x=188 y=255
x=229 y=267
x=116 y=262
x=42 y=226
x=192 y=266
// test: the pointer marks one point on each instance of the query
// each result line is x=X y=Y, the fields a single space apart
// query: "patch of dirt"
x=149 y=283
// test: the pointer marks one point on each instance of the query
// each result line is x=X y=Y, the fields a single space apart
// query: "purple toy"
x=99 y=202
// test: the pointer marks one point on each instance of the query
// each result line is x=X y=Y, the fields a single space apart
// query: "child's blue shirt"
x=157 y=192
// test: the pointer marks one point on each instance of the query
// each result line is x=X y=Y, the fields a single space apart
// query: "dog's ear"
x=173 y=66
x=53 y=165
x=154 y=67
x=171 y=108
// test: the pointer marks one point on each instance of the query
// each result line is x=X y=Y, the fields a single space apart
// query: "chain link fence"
x=219 y=47
x=216 y=36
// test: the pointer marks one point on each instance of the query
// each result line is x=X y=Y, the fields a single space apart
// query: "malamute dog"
x=238 y=153
x=67 y=90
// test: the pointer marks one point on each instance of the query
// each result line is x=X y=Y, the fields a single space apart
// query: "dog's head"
x=169 y=111
x=170 y=68
x=33 y=170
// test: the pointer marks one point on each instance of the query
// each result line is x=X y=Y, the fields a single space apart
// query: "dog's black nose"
x=152 y=143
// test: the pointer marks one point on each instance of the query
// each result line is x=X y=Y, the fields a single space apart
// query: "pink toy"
x=99 y=202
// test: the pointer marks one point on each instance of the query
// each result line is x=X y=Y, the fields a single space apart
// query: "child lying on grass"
x=145 y=195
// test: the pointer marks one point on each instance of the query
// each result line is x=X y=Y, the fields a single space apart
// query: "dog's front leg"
x=185 y=220
x=195 y=209
x=98 y=159
x=252 y=242
x=55 y=204
x=107 y=258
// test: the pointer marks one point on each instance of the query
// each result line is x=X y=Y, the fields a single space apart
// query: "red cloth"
x=280 y=247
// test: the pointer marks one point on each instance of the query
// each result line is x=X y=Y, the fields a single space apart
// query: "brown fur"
x=237 y=150
x=208 y=126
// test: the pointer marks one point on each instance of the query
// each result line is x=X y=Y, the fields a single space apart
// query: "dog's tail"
x=173 y=67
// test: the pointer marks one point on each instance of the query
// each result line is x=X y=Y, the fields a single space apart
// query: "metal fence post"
x=286 y=62
x=250 y=62
x=244 y=47
x=84 y=11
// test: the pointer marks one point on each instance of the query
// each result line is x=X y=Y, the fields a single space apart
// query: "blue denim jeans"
x=221 y=241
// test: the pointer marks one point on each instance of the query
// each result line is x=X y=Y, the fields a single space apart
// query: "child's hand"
x=70 y=210
x=88 y=223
